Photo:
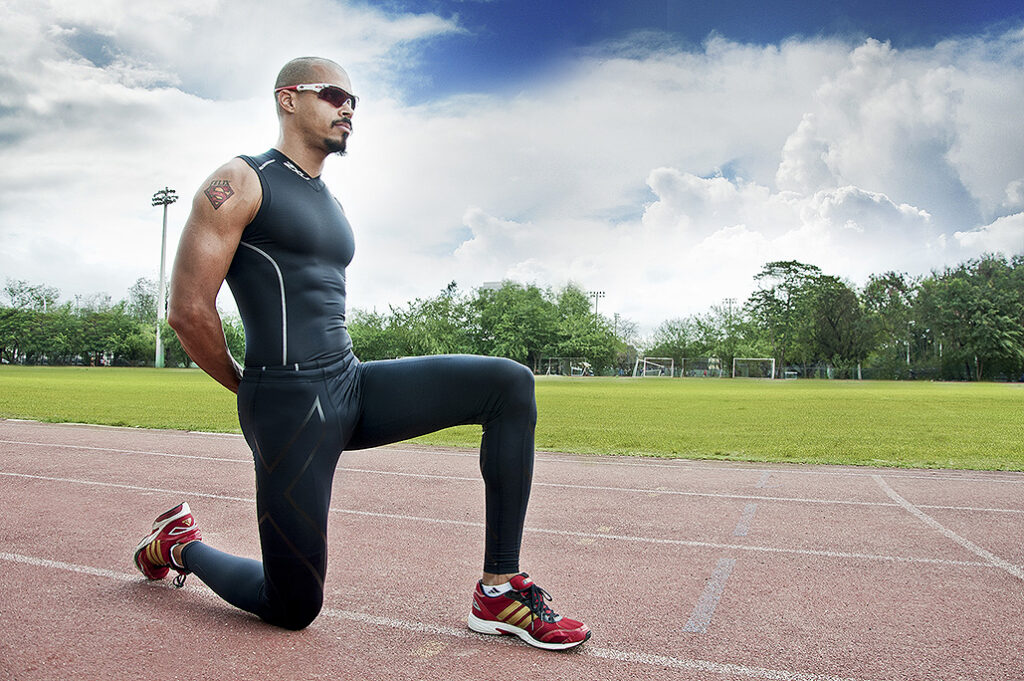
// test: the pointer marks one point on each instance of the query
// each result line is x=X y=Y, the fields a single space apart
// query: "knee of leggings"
x=296 y=615
x=517 y=384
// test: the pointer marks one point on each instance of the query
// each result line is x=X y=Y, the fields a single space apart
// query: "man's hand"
x=227 y=202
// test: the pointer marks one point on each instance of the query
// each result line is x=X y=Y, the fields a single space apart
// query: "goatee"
x=336 y=146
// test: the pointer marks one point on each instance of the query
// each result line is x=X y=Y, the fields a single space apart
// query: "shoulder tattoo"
x=218 y=192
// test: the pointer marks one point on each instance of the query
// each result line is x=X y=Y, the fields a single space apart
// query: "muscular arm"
x=221 y=209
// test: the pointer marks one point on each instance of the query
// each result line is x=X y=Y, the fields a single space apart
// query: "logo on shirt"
x=295 y=169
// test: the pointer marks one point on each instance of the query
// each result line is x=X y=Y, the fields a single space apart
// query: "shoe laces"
x=179 y=581
x=535 y=597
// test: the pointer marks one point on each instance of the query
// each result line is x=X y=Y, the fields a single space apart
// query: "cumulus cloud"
x=1005 y=235
x=105 y=102
x=857 y=158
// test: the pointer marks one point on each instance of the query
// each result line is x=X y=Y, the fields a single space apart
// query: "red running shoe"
x=522 y=612
x=153 y=554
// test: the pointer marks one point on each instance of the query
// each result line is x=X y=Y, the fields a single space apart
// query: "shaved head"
x=301 y=115
x=304 y=70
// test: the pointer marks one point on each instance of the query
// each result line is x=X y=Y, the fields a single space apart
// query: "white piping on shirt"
x=284 y=305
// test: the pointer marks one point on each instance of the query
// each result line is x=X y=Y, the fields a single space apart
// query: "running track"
x=683 y=569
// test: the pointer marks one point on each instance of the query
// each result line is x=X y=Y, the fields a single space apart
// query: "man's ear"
x=286 y=100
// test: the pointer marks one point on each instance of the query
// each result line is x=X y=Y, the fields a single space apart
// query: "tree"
x=515 y=321
x=234 y=335
x=976 y=311
x=675 y=338
x=726 y=333
x=62 y=330
x=776 y=309
x=142 y=301
x=106 y=332
x=174 y=353
x=582 y=333
x=889 y=300
x=841 y=333
x=369 y=332
x=439 y=325
x=627 y=335
x=25 y=296
x=14 y=324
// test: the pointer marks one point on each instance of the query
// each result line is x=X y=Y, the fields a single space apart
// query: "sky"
x=660 y=151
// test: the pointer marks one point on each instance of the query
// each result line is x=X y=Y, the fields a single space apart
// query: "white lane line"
x=688 y=465
x=970 y=508
x=129 y=451
x=743 y=526
x=711 y=667
x=538 y=530
x=134 y=488
x=702 y=613
x=69 y=567
x=637 y=490
x=723 y=668
x=990 y=557
x=940 y=475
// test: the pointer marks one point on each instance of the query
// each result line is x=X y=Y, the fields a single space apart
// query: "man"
x=270 y=227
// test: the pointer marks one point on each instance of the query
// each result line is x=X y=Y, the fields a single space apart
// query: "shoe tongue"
x=521 y=582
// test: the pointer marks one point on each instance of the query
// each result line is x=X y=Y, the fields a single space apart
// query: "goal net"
x=564 y=366
x=655 y=366
x=701 y=367
x=753 y=367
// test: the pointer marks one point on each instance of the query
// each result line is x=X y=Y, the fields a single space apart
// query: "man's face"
x=328 y=124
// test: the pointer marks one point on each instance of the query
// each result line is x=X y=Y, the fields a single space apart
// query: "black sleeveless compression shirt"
x=288 y=273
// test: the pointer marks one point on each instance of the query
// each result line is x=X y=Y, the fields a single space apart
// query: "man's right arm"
x=221 y=209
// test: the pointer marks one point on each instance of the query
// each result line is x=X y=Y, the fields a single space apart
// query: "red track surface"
x=684 y=570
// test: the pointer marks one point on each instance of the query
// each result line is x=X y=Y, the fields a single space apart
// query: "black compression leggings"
x=297 y=423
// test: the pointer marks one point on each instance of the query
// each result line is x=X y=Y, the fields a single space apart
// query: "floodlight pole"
x=730 y=302
x=596 y=295
x=164 y=197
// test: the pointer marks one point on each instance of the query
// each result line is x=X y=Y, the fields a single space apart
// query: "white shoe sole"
x=498 y=628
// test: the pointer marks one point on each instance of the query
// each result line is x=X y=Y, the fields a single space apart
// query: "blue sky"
x=508 y=43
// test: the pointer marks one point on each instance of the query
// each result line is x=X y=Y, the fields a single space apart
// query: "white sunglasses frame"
x=317 y=87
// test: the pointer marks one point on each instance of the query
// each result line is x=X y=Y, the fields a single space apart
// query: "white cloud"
x=804 y=167
x=105 y=102
x=1005 y=235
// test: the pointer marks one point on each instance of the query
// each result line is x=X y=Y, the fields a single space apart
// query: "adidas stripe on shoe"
x=522 y=612
x=153 y=553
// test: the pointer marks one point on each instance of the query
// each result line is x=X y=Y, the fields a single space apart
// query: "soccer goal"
x=753 y=367
x=701 y=367
x=654 y=366
x=564 y=366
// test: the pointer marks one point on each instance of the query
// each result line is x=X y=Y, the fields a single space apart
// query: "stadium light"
x=729 y=302
x=596 y=295
x=163 y=197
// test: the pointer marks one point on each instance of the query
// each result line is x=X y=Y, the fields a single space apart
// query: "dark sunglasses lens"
x=337 y=97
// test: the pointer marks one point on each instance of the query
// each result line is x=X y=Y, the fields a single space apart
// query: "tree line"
x=37 y=328
x=541 y=328
x=961 y=323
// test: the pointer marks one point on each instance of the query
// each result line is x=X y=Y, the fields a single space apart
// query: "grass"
x=185 y=399
x=906 y=424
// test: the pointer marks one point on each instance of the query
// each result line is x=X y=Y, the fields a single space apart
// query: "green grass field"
x=912 y=424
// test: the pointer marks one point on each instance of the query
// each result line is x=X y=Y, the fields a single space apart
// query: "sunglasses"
x=332 y=94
